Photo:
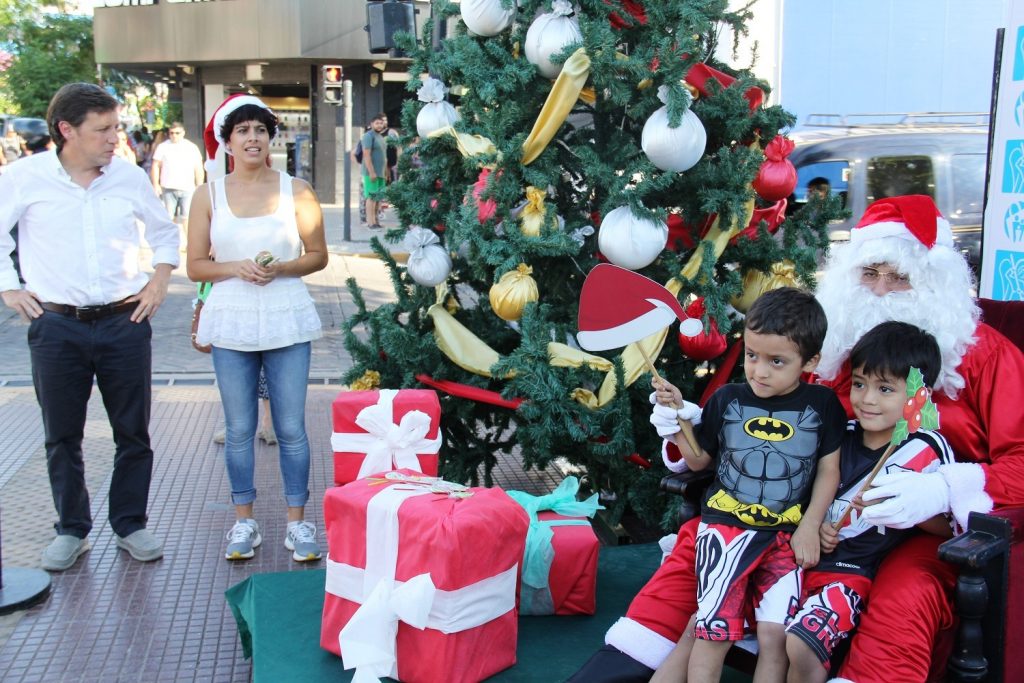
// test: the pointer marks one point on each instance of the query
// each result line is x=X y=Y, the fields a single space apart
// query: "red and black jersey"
x=862 y=547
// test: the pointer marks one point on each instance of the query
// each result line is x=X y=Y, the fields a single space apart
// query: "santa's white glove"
x=665 y=419
x=911 y=498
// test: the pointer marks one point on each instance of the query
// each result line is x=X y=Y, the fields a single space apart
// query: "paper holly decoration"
x=918 y=412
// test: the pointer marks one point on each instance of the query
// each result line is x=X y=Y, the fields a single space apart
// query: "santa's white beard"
x=853 y=310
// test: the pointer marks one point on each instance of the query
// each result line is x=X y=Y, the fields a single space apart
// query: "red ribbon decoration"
x=634 y=9
x=773 y=215
x=472 y=393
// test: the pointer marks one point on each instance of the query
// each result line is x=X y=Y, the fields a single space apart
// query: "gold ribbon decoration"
x=469 y=145
x=756 y=283
x=461 y=346
x=559 y=103
x=532 y=216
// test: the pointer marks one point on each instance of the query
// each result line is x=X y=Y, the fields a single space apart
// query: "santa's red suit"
x=981 y=406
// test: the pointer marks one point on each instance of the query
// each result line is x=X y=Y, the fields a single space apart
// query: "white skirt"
x=242 y=316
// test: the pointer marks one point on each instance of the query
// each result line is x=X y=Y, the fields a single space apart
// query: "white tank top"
x=239 y=315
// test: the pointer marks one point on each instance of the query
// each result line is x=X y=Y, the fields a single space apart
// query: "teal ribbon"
x=535 y=594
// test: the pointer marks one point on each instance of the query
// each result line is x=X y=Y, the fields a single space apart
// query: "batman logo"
x=768 y=429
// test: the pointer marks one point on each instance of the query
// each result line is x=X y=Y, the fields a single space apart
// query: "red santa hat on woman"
x=909 y=235
x=216 y=150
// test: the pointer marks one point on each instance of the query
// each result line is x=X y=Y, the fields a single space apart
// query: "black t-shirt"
x=767 y=452
x=862 y=547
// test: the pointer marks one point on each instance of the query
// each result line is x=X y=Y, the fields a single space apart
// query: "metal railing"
x=905 y=119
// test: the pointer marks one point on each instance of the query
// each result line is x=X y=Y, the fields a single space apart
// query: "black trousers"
x=67 y=355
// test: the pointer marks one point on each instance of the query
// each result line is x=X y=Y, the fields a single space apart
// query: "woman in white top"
x=258 y=315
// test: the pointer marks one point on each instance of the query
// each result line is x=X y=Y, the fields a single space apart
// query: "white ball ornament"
x=486 y=17
x=673 y=149
x=429 y=263
x=549 y=34
x=436 y=113
x=631 y=242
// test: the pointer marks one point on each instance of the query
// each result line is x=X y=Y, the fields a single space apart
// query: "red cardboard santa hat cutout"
x=619 y=307
x=215 y=147
x=909 y=217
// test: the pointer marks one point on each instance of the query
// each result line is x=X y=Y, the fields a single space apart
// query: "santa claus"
x=900 y=264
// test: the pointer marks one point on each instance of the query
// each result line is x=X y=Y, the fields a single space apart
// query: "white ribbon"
x=368 y=640
x=388 y=446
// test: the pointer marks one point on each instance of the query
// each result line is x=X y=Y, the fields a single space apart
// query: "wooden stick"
x=684 y=425
x=867 y=484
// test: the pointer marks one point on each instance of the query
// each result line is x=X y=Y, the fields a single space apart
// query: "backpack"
x=358 y=152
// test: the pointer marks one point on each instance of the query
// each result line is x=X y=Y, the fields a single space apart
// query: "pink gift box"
x=375 y=431
x=386 y=538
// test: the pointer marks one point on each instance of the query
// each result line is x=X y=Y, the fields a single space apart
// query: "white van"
x=871 y=156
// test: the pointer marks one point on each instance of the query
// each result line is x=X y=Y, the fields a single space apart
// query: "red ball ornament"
x=777 y=178
x=704 y=346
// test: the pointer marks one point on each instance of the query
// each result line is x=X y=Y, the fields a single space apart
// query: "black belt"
x=89 y=313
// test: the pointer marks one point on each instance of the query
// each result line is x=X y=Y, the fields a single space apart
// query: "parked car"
x=869 y=157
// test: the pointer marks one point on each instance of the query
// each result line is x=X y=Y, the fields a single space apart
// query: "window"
x=968 y=173
x=837 y=173
x=895 y=176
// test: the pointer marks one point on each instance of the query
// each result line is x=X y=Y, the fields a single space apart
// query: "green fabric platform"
x=278 y=619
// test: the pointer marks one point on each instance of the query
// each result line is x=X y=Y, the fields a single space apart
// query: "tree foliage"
x=50 y=50
x=594 y=165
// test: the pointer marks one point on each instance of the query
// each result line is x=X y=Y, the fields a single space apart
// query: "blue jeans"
x=287 y=371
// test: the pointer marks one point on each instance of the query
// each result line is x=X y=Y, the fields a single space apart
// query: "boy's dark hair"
x=72 y=103
x=820 y=181
x=791 y=313
x=249 y=112
x=893 y=348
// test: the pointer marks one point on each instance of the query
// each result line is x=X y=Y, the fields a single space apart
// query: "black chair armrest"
x=987 y=537
x=678 y=482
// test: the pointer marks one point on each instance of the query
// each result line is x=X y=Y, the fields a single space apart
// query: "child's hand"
x=828 y=535
x=806 y=546
x=666 y=394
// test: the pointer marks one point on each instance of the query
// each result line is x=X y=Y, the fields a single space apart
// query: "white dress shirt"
x=80 y=246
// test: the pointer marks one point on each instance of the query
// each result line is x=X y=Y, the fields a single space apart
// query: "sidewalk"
x=113 y=619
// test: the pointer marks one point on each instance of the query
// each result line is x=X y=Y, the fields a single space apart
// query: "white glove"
x=689 y=411
x=912 y=497
x=664 y=420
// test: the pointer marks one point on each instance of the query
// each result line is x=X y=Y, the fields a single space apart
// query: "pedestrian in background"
x=89 y=307
x=266 y=229
x=176 y=171
x=375 y=168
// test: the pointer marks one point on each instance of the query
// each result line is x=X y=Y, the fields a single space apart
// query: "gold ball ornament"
x=756 y=283
x=510 y=294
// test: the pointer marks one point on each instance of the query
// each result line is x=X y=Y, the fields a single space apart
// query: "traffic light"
x=333 y=84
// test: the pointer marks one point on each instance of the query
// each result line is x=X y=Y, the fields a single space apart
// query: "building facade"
x=206 y=50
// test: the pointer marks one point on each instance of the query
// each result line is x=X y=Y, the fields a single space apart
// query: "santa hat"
x=619 y=307
x=215 y=147
x=910 y=217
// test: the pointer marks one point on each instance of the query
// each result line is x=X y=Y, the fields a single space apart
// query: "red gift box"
x=421 y=585
x=573 y=576
x=376 y=431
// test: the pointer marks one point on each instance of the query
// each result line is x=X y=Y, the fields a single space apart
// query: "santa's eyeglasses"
x=870 y=276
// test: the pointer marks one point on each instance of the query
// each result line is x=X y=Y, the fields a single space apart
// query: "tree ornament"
x=485 y=208
x=487 y=17
x=437 y=113
x=777 y=178
x=531 y=217
x=549 y=34
x=510 y=294
x=673 y=149
x=706 y=345
x=756 y=283
x=429 y=263
x=631 y=242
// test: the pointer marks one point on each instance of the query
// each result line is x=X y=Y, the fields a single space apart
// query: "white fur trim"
x=966 y=481
x=840 y=680
x=667 y=544
x=231 y=105
x=943 y=233
x=639 y=642
x=673 y=465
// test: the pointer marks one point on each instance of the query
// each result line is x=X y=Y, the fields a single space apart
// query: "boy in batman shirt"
x=774 y=442
x=836 y=590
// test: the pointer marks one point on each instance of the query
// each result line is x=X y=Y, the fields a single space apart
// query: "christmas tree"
x=600 y=130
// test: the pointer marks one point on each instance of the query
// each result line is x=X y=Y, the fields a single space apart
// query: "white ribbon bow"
x=388 y=446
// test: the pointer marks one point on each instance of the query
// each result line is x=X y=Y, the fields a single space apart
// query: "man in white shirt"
x=176 y=172
x=78 y=210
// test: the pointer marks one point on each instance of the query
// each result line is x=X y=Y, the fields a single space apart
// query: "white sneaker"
x=243 y=539
x=301 y=540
